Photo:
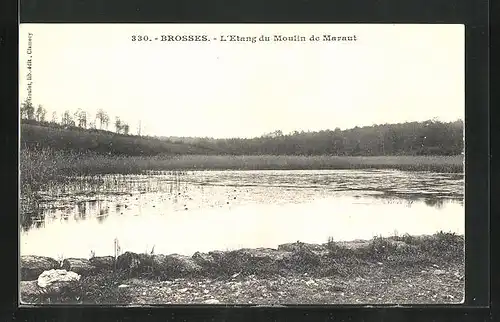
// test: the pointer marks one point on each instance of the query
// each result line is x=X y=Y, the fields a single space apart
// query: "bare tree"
x=102 y=117
x=118 y=125
x=125 y=128
x=27 y=110
x=81 y=118
x=54 y=117
x=67 y=120
x=40 y=113
x=106 y=121
x=75 y=115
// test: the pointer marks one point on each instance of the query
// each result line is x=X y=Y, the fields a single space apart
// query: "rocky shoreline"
x=119 y=280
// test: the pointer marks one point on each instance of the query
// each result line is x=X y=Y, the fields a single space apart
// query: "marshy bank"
x=53 y=162
x=397 y=269
x=44 y=167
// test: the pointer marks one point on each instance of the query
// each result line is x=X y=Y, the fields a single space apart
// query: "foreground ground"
x=378 y=285
x=396 y=270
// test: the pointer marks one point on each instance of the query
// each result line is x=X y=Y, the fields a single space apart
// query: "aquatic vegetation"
x=38 y=166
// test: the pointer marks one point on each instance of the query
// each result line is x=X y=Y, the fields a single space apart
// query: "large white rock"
x=57 y=277
x=211 y=301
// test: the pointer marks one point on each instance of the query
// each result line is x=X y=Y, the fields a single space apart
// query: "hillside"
x=411 y=138
x=415 y=138
x=102 y=142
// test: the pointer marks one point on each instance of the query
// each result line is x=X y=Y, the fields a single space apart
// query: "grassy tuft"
x=337 y=251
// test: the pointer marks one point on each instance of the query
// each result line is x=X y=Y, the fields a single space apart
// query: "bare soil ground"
x=378 y=285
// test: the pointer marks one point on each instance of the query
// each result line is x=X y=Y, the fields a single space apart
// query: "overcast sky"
x=392 y=73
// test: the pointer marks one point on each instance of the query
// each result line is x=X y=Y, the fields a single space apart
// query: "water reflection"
x=186 y=213
x=32 y=221
x=431 y=201
x=438 y=203
x=82 y=209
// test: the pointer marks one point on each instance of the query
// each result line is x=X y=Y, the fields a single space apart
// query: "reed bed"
x=47 y=164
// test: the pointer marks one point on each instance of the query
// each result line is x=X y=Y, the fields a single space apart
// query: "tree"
x=118 y=125
x=40 y=113
x=125 y=128
x=81 y=118
x=67 y=120
x=27 y=110
x=54 y=117
x=102 y=117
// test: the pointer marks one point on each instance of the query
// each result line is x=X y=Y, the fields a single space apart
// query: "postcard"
x=245 y=164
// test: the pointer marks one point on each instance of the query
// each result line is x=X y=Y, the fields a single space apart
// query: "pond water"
x=220 y=210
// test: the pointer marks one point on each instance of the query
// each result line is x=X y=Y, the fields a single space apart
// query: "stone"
x=354 y=245
x=439 y=272
x=29 y=289
x=203 y=259
x=250 y=261
x=81 y=266
x=134 y=263
x=261 y=261
x=292 y=247
x=176 y=265
x=55 y=280
x=33 y=266
x=401 y=246
x=167 y=266
x=103 y=263
x=211 y=301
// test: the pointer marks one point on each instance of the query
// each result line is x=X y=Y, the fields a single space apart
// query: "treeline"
x=76 y=119
x=431 y=137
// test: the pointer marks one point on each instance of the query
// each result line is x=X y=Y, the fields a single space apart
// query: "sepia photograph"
x=241 y=164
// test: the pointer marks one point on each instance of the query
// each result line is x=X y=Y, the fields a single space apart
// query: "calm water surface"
x=220 y=210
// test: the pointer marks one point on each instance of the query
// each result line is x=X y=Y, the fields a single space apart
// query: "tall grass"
x=402 y=253
x=65 y=163
x=37 y=167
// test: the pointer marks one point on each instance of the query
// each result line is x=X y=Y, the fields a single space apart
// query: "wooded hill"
x=411 y=138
